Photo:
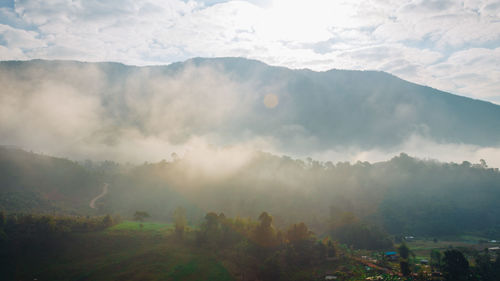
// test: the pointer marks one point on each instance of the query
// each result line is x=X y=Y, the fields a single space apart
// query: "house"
x=391 y=256
x=409 y=238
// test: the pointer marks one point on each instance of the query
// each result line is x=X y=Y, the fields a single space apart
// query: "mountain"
x=367 y=108
x=31 y=182
x=105 y=110
x=402 y=195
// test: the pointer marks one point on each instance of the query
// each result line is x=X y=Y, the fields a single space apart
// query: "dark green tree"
x=496 y=267
x=483 y=269
x=455 y=266
x=301 y=250
x=405 y=267
x=264 y=232
x=209 y=231
x=404 y=254
x=2 y=219
x=271 y=270
x=404 y=251
x=436 y=259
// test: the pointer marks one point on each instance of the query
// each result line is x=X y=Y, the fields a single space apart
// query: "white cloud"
x=17 y=38
x=471 y=71
x=420 y=147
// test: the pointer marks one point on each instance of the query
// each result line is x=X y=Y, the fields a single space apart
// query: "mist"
x=220 y=109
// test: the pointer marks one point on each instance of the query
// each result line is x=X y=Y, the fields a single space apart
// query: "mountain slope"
x=404 y=194
x=31 y=182
x=107 y=108
x=369 y=107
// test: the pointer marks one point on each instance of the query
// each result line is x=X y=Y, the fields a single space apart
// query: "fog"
x=217 y=114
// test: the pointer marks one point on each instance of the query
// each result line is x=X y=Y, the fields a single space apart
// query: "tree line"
x=257 y=248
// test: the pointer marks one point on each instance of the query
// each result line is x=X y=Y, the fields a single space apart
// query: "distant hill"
x=222 y=99
x=32 y=182
x=367 y=108
x=402 y=195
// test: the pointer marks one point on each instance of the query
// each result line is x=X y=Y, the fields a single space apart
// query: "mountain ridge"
x=315 y=111
x=204 y=59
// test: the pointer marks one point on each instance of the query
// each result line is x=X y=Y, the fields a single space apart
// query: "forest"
x=402 y=196
x=270 y=218
x=46 y=247
x=249 y=140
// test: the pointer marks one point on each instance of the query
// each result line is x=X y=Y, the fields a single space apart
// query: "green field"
x=146 y=226
x=423 y=248
x=123 y=252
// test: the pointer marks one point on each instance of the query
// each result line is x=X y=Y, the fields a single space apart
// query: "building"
x=391 y=256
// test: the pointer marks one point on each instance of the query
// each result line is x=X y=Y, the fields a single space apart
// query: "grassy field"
x=422 y=248
x=123 y=252
x=146 y=226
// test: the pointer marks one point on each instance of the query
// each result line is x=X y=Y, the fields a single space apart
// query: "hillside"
x=402 y=195
x=31 y=182
x=130 y=113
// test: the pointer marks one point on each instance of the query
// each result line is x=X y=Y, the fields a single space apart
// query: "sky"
x=450 y=45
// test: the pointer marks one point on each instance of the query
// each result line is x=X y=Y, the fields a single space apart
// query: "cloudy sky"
x=450 y=45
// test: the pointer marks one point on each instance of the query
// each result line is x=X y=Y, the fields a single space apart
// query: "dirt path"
x=104 y=192
x=380 y=268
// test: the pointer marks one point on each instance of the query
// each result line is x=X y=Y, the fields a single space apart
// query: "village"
x=424 y=257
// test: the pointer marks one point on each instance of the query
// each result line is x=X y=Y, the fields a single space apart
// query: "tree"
x=455 y=266
x=2 y=219
x=496 y=267
x=180 y=221
x=404 y=253
x=209 y=230
x=107 y=221
x=331 y=249
x=360 y=235
x=264 y=232
x=298 y=232
x=300 y=250
x=271 y=270
x=140 y=216
x=405 y=267
x=211 y=222
x=436 y=259
x=483 y=270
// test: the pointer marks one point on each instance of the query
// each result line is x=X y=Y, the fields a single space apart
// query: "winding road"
x=104 y=192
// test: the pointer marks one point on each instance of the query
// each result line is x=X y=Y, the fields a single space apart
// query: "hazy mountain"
x=217 y=113
x=114 y=111
x=31 y=182
x=403 y=195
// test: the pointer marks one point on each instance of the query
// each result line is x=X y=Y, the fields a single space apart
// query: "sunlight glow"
x=271 y=100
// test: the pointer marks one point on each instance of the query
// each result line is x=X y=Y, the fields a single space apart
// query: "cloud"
x=419 y=34
x=14 y=38
x=420 y=147
x=472 y=70
x=77 y=110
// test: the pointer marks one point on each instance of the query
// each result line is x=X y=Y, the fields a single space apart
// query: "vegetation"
x=355 y=203
x=247 y=247
x=348 y=209
x=140 y=216
x=220 y=248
